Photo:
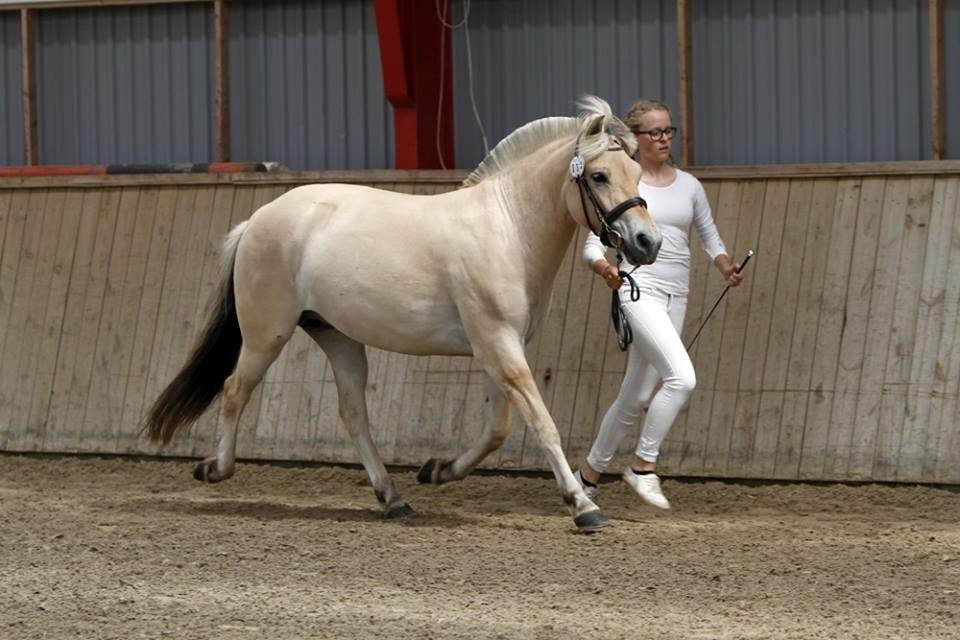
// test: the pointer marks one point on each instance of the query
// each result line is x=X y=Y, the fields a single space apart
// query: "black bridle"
x=609 y=236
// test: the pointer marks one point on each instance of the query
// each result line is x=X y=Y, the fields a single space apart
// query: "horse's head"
x=601 y=193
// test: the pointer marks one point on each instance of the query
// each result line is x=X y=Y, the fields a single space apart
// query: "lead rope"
x=620 y=324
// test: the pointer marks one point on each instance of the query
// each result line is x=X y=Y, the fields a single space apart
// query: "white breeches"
x=656 y=353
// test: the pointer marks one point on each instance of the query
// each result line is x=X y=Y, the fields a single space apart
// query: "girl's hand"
x=732 y=274
x=611 y=276
x=729 y=269
x=609 y=273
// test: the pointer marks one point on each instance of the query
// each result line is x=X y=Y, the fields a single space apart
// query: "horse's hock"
x=831 y=362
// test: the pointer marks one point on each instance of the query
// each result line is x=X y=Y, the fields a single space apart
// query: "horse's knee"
x=498 y=437
x=231 y=394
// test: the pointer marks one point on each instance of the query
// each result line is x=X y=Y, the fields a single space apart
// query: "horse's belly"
x=404 y=326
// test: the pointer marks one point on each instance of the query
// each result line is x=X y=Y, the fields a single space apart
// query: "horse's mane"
x=533 y=135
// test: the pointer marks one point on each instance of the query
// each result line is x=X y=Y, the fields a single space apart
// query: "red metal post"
x=413 y=41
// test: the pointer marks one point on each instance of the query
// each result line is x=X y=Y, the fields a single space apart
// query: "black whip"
x=750 y=254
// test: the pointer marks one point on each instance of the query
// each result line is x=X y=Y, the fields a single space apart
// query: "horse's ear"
x=594 y=124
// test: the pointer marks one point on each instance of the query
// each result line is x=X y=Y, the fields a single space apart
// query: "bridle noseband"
x=609 y=236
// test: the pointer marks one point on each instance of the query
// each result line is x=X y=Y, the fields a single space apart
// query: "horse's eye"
x=599 y=177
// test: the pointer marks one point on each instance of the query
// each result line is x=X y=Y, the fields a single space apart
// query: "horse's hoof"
x=425 y=475
x=398 y=510
x=201 y=472
x=591 y=521
x=206 y=471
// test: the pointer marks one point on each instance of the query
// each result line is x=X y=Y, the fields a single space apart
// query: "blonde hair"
x=640 y=108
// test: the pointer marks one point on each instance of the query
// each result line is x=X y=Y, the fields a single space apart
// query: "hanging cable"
x=464 y=24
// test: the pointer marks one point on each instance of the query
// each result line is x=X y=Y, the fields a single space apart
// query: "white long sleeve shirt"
x=673 y=208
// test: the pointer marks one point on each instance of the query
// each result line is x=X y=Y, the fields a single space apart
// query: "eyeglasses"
x=658 y=134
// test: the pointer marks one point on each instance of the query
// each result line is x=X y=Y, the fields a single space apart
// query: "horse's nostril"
x=644 y=241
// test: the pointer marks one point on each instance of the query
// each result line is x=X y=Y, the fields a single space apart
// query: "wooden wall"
x=835 y=360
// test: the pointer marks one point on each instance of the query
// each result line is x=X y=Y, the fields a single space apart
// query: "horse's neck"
x=531 y=194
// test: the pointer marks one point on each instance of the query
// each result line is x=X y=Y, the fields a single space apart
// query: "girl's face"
x=655 y=135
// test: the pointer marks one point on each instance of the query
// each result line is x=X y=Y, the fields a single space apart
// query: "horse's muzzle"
x=643 y=249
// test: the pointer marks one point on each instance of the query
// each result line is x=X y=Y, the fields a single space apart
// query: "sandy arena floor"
x=119 y=548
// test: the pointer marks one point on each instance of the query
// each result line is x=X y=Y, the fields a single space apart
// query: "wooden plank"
x=455 y=381
x=827 y=170
x=744 y=357
x=777 y=358
x=286 y=420
x=391 y=404
x=18 y=333
x=104 y=405
x=28 y=88
x=814 y=449
x=381 y=179
x=450 y=180
x=295 y=442
x=854 y=329
x=124 y=366
x=6 y=214
x=140 y=394
x=10 y=265
x=926 y=370
x=74 y=436
x=406 y=446
x=6 y=199
x=62 y=428
x=745 y=331
x=66 y=207
x=315 y=430
x=879 y=327
x=938 y=113
x=900 y=351
x=221 y=47
x=707 y=356
x=170 y=348
x=49 y=212
x=942 y=457
x=803 y=345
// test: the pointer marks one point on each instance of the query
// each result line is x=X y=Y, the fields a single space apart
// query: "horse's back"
x=356 y=256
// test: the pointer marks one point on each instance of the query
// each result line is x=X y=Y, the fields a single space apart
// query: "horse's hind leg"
x=496 y=430
x=252 y=364
x=348 y=359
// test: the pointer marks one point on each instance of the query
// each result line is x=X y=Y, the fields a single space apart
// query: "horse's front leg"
x=496 y=429
x=501 y=353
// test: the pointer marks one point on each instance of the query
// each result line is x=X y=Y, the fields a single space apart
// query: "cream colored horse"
x=463 y=273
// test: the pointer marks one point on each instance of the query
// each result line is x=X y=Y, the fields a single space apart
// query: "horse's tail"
x=212 y=360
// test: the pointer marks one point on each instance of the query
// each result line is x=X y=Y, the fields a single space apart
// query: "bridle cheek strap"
x=608 y=236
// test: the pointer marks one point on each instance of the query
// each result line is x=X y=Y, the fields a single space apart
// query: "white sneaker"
x=647 y=487
x=587 y=489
